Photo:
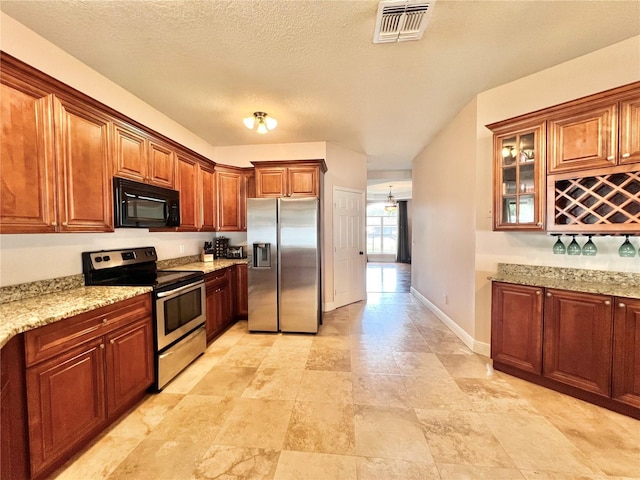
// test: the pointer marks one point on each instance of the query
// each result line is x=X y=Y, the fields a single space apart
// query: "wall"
x=471 y=153
x=444 y=221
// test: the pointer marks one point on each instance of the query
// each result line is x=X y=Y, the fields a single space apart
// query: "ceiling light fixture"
x=390 y=205
x=261 y=121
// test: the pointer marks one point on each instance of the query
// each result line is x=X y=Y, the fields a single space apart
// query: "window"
x=382 y=230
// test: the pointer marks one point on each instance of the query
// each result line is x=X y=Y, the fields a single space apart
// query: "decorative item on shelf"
x=558 y=247
x=390 y=204
x=207 y=253
x=574 y=247
x=627 y=249
x=261 y=121
x=589 y=248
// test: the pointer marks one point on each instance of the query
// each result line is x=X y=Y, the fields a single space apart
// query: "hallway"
x=384 y=391
x=388 y=277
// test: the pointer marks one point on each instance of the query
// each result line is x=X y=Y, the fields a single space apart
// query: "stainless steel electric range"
x=179 y=303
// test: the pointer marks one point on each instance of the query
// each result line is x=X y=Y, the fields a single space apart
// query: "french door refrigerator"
x=283 y=250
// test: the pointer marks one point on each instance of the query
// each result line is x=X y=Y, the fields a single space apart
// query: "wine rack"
x=599 y=203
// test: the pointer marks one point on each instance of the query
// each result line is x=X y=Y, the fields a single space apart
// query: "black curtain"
x=404 y=252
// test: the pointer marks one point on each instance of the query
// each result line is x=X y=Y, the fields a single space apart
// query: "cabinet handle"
x=538 y=292
x=626 y=155
x=54 y=224
x=64 y=224
x=610 y=157
x=548 y=294
x=104 y=320
x=607 y=302
x=112 y=341
x=539 y=224
x=102 y=346
x=621 y=305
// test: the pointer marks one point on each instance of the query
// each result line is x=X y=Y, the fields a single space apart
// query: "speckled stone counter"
x=208 y=267
x=580 y=280
x=22 y=315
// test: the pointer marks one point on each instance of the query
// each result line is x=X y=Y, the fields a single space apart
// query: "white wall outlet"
x=181 y=248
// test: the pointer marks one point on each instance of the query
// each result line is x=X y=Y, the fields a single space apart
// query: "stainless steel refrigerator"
x=283 y=250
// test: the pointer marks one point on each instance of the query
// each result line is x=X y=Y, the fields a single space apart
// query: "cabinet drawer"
x=50 y=340
x=217 y=276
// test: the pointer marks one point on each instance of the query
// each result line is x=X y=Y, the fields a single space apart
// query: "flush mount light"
x=261 y=121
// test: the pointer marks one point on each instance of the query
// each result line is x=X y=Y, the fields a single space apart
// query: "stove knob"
x=106 y=258
x=98 y=259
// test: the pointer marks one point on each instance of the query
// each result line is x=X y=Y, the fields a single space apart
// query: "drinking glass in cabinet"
x=627 y=249
x=589 y=248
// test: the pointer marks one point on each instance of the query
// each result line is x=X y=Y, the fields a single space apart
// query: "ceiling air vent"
x=401 y=20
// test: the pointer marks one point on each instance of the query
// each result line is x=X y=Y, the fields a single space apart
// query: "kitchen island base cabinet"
x=81 y=374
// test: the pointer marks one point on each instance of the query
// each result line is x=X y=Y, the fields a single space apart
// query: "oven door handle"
x=191 y=286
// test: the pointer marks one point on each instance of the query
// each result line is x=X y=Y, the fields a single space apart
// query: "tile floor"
x=384 y=391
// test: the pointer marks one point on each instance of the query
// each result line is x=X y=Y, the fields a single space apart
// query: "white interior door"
x=349 y=259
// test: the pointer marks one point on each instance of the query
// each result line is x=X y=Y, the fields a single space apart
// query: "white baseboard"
x=328 y=306
x=480 y=348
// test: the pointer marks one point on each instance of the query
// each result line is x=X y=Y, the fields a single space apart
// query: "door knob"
x=361 y=253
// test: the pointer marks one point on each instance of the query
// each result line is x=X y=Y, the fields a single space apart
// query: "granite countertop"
x=22 y=315
x=208 y=267
x=588 y=281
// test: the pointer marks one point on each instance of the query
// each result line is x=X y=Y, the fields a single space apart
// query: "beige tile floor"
x=384 y=391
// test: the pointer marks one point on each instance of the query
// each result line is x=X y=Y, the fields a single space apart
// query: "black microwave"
x=138 y=205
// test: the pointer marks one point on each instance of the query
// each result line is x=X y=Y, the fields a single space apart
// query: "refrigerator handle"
x=261 y=255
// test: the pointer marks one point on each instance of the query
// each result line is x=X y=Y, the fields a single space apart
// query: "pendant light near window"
x=261 y=121
x=390 y=205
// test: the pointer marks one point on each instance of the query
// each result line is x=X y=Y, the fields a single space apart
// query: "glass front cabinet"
x=519 y=163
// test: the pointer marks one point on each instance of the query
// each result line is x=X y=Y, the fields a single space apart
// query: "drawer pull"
x=607 y=302
x=105 y=320
x=621 y=305
x=548 y=294
x=626 y=155
x=538 y=292
x=112 y=341
x=102 y=346
x=610 y=157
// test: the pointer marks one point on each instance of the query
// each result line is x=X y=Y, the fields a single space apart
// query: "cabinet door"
x=519 y=187
x=242 y=291
x=302 y=182
x=229 y=194
x=626 y=352
x=85 y=197
x=271 y=182
x=578 y=340
x=162 y=165
x=65 y=402
x=630 y=131
x=129 y=364
x=583 y=138
x=208 y=195
x=130 y=153
x=516 y=326
x=188 y=188
x=27 y=195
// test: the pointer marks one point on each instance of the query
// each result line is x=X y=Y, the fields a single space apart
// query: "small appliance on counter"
x=222 y=244
x=235 y=252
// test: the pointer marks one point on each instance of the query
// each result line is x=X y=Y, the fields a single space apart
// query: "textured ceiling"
x=313 y=66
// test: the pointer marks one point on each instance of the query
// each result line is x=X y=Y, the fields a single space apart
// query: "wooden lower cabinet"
x=219 y=302
x=516 y=326
x=14 y=458
x=577 y=340
x=81 y=374
x=590 y=343
x=626 y=352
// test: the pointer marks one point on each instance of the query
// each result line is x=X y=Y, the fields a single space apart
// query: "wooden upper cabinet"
x=27 y=190
x=577 y=345
x=231 y=201
x=301 y=178
x=626 y=351
x=187 y=185
x=85 y=192
x=630 y=130
x=138 y=158
x=518 y=175
x=208 y=198
x=582 y=138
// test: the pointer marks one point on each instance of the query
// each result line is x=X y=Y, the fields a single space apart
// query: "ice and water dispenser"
x=261 y=255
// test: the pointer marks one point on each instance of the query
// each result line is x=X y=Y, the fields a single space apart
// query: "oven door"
x=178 y=312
